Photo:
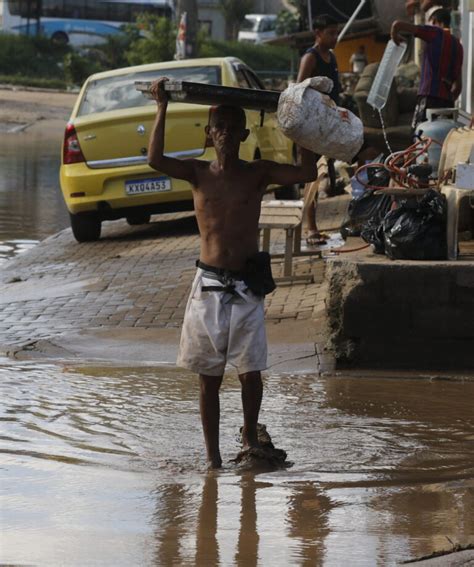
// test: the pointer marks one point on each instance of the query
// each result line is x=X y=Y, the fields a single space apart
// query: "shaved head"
x=234 y=114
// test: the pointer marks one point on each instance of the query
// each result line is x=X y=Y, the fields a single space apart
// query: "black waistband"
x=219 y=271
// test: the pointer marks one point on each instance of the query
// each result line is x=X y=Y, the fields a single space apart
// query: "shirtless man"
x=224 y=319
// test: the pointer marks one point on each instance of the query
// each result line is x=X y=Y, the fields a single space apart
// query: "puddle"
x=11 y=248
x=31 y=204
x=12 y=127
x=105 y=466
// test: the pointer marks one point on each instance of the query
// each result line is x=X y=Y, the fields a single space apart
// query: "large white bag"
x=313 y=120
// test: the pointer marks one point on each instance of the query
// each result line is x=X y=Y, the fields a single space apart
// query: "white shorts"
x=222 y=328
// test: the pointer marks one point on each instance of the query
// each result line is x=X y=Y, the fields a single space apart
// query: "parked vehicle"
x=104 y=172
x=258 y=27
x=79 y=22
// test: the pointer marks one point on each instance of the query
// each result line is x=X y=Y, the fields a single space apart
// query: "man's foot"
x=249 y=440
x=316 y=238
x=215 y=463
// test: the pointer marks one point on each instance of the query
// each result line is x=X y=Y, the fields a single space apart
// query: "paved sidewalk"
x=134 y=277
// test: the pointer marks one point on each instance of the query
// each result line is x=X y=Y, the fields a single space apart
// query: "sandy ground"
x=40 y=111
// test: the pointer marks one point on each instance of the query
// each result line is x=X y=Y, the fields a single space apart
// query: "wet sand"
x=35 y=111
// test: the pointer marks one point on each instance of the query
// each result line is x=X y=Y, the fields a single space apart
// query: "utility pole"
x=191 y=9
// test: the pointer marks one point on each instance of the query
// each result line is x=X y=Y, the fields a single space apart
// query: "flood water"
x=31 y=205
x=105 y=466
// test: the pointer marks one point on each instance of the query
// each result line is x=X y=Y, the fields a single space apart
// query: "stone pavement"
x=133 y=278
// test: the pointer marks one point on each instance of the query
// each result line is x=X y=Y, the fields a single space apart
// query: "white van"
x=257 y=28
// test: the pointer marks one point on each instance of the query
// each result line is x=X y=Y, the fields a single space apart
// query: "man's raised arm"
x=178 y=168
x=285 y=174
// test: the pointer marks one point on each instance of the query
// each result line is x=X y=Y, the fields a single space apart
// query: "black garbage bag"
x=417 y=231
x=367 y=207
x=372 y=233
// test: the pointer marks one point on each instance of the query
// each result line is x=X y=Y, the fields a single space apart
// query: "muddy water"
x=31 y=205
x=104 y=466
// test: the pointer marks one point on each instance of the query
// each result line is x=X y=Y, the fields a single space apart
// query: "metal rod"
x=351 y=20
x=310 y=15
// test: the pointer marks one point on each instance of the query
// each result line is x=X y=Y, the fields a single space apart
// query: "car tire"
x=86 y=227
x=290 y=193
x=134 y=220
x=60 y=38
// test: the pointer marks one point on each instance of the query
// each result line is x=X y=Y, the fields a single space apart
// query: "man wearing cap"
x=441 y=69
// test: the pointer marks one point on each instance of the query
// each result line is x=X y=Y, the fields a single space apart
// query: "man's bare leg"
x=252 y=390
x=210 y=414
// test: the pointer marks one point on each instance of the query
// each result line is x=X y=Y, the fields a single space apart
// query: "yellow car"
x=104 y=172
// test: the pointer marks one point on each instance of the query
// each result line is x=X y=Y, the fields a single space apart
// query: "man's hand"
x=395 y=33
x=157 y=90
x=399 y=27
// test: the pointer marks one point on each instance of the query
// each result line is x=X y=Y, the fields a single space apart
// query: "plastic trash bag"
x=368 y=207
x=312 y=120
x=372 y=233
x=417 y=231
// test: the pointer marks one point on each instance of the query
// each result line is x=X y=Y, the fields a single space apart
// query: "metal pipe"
x=351 y=20
x=310 y=15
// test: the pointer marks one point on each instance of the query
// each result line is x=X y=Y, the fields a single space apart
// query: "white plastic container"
x=312 y=120
x=383 y=80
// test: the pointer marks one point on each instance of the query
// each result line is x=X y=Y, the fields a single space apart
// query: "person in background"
x=441 y=69
x=319 y=60
x=359 y=60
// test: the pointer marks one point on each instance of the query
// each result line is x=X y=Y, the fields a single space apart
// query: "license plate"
x=152 y=185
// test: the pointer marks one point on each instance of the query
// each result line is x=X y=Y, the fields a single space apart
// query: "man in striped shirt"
x=441 y=69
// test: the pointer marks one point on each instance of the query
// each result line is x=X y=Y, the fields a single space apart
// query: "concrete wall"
x=410 y=315
x=213 y=15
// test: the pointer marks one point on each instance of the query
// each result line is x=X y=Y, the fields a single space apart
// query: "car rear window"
x=119 y=92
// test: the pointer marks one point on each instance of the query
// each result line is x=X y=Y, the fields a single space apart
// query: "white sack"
x=315 y=122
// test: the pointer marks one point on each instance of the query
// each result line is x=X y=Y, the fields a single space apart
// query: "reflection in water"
x=106 y=466
x=31 y=205
x=9 y=249
x=170 y=518
x=308 y=512
x=207 y=546
x=247 y=548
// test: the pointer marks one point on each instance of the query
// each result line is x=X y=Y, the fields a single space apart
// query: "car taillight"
x=72 y=152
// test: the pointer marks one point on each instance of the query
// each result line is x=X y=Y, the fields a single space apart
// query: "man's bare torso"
x=227 y=204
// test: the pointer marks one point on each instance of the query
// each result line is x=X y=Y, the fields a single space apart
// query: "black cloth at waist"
x=223 y=272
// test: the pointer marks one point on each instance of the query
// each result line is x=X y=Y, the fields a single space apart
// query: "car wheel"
x=85 y=227
x=290 y=193
x=60 y=38
x=134 y=220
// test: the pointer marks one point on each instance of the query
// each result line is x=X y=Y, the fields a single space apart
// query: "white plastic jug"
x=312 y=120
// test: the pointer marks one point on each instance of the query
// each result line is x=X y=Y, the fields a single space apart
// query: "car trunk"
x=125 y=134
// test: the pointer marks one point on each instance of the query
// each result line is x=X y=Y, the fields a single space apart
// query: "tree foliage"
x=287 y=23
x=33 y=56
x=259 y=57
x=157 y=44
x=234 y=13
x=302 y=8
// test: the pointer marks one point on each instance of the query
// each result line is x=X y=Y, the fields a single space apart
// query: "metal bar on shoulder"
x=211 y=95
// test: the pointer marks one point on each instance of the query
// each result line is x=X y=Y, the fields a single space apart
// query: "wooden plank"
x=275 y=219
x=281 y=212
x=278 y=224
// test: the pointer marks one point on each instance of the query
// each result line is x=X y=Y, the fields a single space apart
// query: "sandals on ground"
x=316 y=238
